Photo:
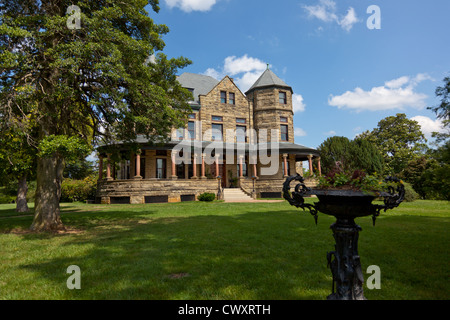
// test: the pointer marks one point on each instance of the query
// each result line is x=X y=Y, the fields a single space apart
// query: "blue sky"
x=345 y=76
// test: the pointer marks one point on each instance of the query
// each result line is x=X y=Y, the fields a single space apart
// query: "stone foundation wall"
x=270 y=185
x=137 y=190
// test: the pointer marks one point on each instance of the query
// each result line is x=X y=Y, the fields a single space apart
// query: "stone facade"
x=268 y=112
x=221 y=106
x=229 y=112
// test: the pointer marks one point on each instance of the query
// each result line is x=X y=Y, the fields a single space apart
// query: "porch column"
x=138 y=165
x=203 y=166
x=310 y=164
x=194 y=167
x=174 y=170
x=254 y=167
x=319 y=167
x=240 y=166
x=100 y=167
x=217 y=165
x=285 y=164
x=108 y=168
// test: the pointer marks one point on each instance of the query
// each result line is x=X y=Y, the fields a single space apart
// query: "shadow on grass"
x=270 y=254
x=263 y=255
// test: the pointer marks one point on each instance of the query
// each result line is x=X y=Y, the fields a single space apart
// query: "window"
x=180 y=134
x=180 y=171
x=124 y=171
x=223 y=97
x=241 y=120
x=231 y=98
x=217 y=132
x=283 y=119
x=192 y=116
x=191 y=130
x=161 y=168
x=284 y=132
x=241 y=133
x=282 y=97
x=217 y=118
x=143 y=168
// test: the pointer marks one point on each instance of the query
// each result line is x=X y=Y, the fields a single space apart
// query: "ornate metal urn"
x=345 y=205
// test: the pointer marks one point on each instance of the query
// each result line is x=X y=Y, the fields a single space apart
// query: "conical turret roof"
x=268 y=79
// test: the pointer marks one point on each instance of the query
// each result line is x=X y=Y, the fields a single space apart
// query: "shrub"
x=78 y=190
x=410 y=194
x=206 y=196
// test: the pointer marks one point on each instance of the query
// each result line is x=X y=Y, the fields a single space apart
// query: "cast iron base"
x=344 y=261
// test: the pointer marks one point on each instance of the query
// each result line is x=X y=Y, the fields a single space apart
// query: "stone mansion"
x=232 y=136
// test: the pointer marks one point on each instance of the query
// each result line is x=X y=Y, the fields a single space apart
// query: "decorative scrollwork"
x=392 y=198
x=295 y=198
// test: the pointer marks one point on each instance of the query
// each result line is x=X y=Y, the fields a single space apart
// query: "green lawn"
x=218 y=251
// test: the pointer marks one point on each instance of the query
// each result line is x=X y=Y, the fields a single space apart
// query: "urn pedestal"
x=345 y=205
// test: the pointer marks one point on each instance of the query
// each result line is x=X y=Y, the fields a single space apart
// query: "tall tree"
x=17 y=162
x=357 y=154
x=89 y=75
x=399 y=140
x=443 y=109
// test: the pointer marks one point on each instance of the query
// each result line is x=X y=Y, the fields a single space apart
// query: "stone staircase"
x=236 y=195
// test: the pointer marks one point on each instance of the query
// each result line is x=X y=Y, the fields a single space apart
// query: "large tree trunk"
x=48 y=192
x=21 y=201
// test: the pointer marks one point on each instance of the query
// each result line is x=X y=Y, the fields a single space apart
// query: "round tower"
x=271 y=101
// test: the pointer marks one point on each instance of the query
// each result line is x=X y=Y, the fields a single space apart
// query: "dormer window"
x=231 y=99
x=223 y=97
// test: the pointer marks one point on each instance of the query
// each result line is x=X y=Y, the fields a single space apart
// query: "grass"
x=218 y=250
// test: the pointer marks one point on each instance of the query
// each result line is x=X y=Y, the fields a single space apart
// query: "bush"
x=410 y=194
x=206 y=196
x=78 y=190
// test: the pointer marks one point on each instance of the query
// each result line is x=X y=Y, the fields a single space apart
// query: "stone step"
x=235 y=195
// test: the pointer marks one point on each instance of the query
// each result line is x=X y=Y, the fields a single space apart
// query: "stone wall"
x=137 y=190
x=212 y=106
x=270 y=185
x=267 y=111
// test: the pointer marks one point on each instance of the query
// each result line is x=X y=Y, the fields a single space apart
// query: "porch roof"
x=301 y=152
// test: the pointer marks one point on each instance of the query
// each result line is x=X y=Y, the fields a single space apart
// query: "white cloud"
x=247 y=69
x=191 y=5
x=233 y=65
x=297 y=103
x=429 y=126
x=212 y=73
x=395 y=94
x=397 y=83
x=349 y=20
x=330 y=133
x=325 y=11
x=299 y=132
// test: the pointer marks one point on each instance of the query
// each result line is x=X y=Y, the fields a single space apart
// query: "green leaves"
x=68 y=148
x=358 y=154
x=399 y=140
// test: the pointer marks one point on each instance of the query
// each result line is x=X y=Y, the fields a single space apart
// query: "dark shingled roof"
x=200 y=83
x=268 y=79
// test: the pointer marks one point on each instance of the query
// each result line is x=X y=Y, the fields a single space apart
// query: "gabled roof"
x=268 y=79
x=200 y=83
